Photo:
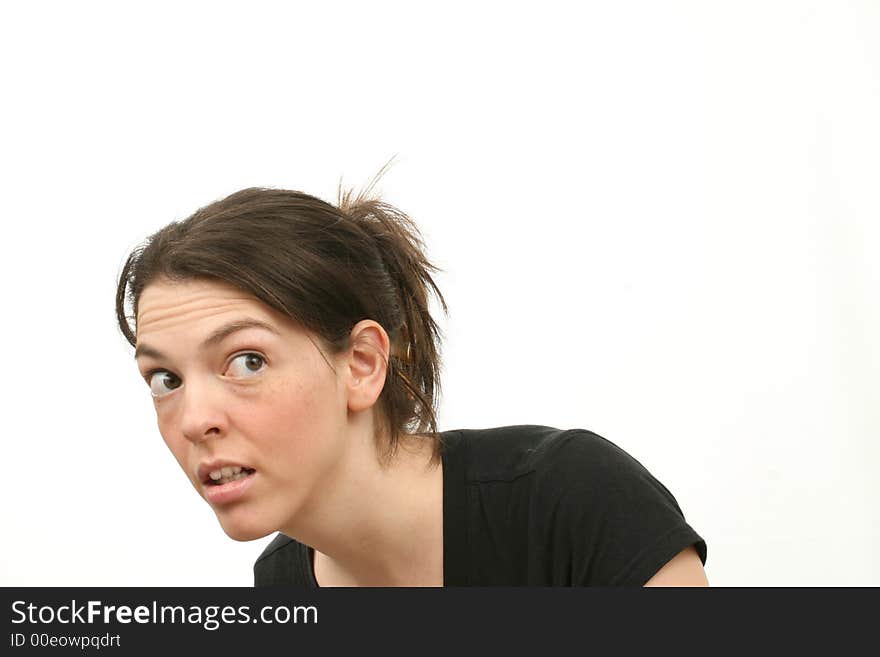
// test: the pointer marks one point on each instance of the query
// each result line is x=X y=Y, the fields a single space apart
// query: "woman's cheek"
x=292 y=424
x=290 y=399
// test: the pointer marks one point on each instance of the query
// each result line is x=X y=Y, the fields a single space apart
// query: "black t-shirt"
x=531 y=505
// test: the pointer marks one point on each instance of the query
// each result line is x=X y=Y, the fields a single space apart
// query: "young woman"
x=294 y=367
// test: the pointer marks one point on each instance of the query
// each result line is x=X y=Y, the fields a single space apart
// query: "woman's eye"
x=247 y=364
x=162 y=382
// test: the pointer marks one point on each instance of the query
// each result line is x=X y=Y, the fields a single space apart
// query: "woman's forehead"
x=164 y=302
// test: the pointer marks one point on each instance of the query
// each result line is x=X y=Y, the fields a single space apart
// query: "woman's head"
x=342 y=293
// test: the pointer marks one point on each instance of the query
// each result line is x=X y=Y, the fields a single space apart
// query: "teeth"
x=240 y=475
x=229 y=472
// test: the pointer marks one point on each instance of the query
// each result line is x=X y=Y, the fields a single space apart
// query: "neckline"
x=454 y=519
x=310 y=559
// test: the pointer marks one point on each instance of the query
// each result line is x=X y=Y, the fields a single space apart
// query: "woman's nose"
x=202 y=416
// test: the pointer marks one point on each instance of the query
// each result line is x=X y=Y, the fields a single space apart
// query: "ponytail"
x=413 y=385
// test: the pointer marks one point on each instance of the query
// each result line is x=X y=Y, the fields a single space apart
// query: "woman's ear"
x=367 y=364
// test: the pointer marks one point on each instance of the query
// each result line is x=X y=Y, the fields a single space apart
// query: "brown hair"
x=325 y=267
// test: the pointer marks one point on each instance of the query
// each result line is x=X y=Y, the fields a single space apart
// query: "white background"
x=657 y=221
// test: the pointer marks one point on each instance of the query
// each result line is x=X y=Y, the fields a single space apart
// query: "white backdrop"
x=657 y=221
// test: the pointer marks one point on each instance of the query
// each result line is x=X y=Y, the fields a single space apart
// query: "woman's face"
x=262 y=398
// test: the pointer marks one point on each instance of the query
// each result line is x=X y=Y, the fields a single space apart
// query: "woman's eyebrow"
x=217 y=336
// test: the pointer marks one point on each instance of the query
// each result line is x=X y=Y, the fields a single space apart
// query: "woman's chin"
x=243 y=532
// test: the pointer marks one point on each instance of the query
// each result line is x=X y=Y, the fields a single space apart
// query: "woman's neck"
x=378 y=526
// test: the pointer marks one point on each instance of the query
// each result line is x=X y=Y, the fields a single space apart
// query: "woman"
x=294 y=367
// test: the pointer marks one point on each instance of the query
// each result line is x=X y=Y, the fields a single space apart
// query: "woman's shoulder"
x=506 y=452
x=564 y=463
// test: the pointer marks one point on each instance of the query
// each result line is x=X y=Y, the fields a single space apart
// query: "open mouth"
x=227 y=474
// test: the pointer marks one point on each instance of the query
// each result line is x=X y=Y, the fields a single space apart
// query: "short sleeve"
x=612 y=521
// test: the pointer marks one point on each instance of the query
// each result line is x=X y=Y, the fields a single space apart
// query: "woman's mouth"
x=231 y=484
